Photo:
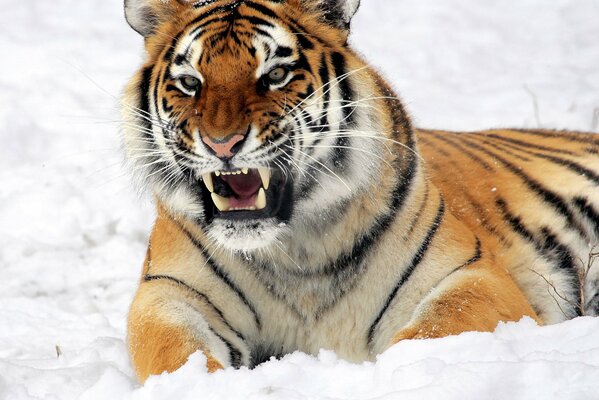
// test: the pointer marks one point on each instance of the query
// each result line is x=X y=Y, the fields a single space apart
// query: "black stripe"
x=222 y=8
x=306 y=39
x=144 y=91
x=296 y=78
x=168 y=55
x=506 y=148
x=429 y=143
x=523 y=143
x=419 y=214
x=345 y=87
x=341 y=151
x=547 y=245
x=234 y=353
x=323 y=72
x=407 y=273
x=579 y=137
x=197 y=32
x=571 y=165
x=261 y=9
x=478 y=254
x=460 y=148
x=153 y=163
x=586 y=208
x=180 y=59
x=256 y=21
x=303 y=41
x=309 y=92
x=167 y=108
x=484 y=219
x=302 y=63
x=514 y=222
x=283 y=51
x=218 y=271
x=263 y=33
x=197 y=293
x=548 y=196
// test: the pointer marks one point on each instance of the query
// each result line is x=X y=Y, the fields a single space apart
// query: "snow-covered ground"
x=73 y=232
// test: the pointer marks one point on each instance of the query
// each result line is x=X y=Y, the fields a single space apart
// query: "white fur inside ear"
x=349 y=9
x=339 y=11
x=141 y=16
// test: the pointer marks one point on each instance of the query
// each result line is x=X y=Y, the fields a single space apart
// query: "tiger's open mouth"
x=247 y=193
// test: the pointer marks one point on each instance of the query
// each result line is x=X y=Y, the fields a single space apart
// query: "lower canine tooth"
x=261 y=199
x=207 y=178
x=220 y=202
x=265 y=176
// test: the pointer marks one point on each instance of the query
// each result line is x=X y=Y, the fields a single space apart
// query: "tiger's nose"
x=226 y=147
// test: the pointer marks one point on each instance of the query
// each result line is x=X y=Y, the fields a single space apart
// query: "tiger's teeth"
x=207 y=178
x=245 y=171
x=217 y=173
x=265 y=176
x=261 y=200
x=220 y=202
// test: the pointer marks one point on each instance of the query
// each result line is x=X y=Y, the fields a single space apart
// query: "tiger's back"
x=532 y=196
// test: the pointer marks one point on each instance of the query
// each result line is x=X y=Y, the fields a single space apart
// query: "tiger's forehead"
x=239 y=35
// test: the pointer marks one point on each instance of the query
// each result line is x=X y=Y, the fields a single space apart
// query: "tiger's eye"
x=190 y=83
x=278 y=75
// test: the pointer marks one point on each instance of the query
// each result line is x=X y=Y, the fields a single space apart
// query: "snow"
x=73 y=232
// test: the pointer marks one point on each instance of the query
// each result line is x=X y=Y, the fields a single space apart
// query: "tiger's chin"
x=246 y=235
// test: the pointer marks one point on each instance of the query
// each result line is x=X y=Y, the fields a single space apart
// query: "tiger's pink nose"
x=226 y=147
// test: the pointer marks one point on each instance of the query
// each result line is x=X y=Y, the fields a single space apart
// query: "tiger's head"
x=250 y=116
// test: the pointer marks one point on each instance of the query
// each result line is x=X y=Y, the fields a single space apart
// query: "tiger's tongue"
x=244 y=186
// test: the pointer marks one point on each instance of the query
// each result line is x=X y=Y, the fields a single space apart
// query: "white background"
x=73 y=231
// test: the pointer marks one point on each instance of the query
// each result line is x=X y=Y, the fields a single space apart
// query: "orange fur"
x=477 y=303
x=156 y=347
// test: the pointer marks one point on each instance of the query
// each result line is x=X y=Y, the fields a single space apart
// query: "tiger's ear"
x=338 y=13
x=144 y=16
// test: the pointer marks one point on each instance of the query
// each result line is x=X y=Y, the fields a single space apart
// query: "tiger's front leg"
x=475 y=299
x=166 y=326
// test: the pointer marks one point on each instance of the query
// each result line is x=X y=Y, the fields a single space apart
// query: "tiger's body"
x=298 y=208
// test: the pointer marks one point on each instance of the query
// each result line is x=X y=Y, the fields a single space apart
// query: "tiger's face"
x=241 y=119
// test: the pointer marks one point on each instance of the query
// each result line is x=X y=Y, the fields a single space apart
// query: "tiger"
x=299 y=209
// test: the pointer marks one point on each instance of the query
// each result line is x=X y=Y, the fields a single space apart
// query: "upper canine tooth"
x=245 y=171
x=207 y=178
x=221 y=203
x=261 y=200
x=265 y=176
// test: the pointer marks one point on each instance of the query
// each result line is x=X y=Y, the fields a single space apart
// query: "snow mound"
x=519 y=360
